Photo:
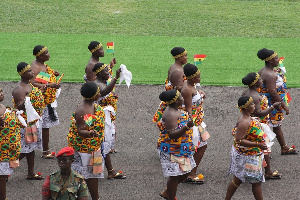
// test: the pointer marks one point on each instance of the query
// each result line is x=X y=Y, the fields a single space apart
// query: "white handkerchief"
x=125 y=75
x=54 y=104
x=196 y=135
x=85 y=158
x=110 y=128
x=32 y=115
x=21 y=119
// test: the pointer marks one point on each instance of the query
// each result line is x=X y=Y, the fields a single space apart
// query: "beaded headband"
x=270 y=57
x=41 y=51
x=179 y=55
x=246 y=104
x=174 y=99
x=98 y=90
x=255 y=80
x=96 y=48
x=100 y=69
x=192 y=76
x=24 y=70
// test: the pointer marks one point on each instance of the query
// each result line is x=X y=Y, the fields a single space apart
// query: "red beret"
x=67 y=150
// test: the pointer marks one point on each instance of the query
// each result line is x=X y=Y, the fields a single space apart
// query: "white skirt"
x=5 y=169
x=47 y=122
x=172 y=168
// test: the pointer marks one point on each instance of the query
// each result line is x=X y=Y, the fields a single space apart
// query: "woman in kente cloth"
x=175 y=77
x=108 y=101
x=86 y=135
x=275 y=93
x=10 y=143
x=45 y=76
x=28 y=98
x=247 y=151
x=193 y=101
x=175 y=146
x=262 y=110
x=96 y=48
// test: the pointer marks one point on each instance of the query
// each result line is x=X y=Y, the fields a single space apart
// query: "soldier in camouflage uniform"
x=65 y=183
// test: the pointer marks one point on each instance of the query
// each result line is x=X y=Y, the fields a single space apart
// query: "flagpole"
x=114 y=49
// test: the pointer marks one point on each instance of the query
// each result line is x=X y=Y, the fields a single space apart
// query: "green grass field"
x=144 y=32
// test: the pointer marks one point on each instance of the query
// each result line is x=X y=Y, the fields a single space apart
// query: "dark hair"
x=264 y=53
x=247 y=80
x=88 y=89
x=21 y=66
x=93 y=45
x=167 y=95
x=37 y=49
x=97 y=66
x=243 y=100
x=189 y=69
x=177 y=50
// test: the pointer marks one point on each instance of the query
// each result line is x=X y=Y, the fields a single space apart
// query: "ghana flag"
x=199 y=58
x=43 y=77
x=287 y=98
x=110 y=47
x=280 y=61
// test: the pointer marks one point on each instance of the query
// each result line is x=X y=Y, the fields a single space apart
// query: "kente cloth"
x=29 y=147
x=182 y=146
x=263 y=106
x=82 y=166
x=254 y=133
x=94 y=122
x=57 y=189
x=171 y=168
x=37 y=101
x=47 y=122
x=10 y=138
x=276 y=116
x=197 y=109
x=50 y=93
x=237 y=166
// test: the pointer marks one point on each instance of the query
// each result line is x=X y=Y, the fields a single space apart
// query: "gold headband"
x=41 y=51
x=24 y=70
x=179 y=55
x=255 y=81
x=192 y=76
x=270 y=57
x=100 y=69
x=98 y=90
x=174 y=99
x=96 y=48
x=246 y=104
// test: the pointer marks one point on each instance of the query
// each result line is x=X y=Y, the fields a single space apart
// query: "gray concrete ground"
x=137 y=156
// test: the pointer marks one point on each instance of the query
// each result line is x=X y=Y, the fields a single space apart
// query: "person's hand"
x=202 y=94
x=277 y=105
x=118 y=72
x=93 y=133
x=43 y=88
x=54 y=85
x=287 y=110
x=262 y=146
x=190 y=123
x=56 y=73
x=113 y=62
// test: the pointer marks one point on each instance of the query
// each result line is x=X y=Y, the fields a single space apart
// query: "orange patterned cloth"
x=10 y=138
x=50 y=93
x=182 y=146
x=253 y=134
x=86 y=144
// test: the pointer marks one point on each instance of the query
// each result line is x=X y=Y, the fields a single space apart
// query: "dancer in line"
x=193 y=101
x=96 y=48
x=175 y=145
x=44 y=76
x=28 y=98
x=10 y=143
x=65 y=183
x=246 y=152
x=175 y=77
x=86 y=135
x=254 y=82
x=108 y=101
x=275 y=91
